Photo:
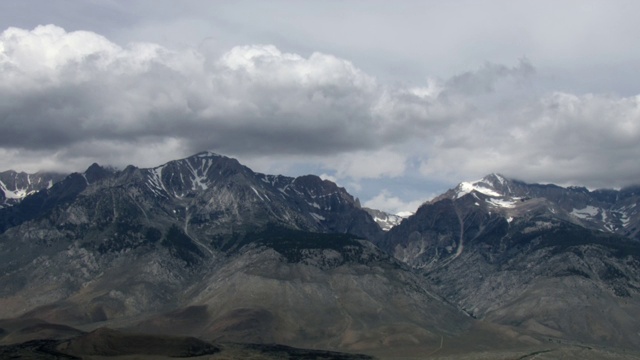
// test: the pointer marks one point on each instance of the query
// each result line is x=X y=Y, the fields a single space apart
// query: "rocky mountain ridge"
x=183 y=192
x=527 y=255
x=615 y=211
x=204 y=246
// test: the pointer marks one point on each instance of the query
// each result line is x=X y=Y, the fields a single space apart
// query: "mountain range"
x=559 y=262
x=205 y=247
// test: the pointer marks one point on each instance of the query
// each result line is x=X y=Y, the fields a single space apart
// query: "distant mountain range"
x=385 y=220
x=204 y=246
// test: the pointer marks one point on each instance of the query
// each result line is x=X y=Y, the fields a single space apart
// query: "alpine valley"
x=202 y=257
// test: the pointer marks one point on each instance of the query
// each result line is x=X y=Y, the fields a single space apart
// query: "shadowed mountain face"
x=203 y=246
x=277 y=285
x=205 y=194
x=312 y=290
x=528 y=256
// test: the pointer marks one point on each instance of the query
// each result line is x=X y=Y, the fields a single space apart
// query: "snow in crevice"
x=199 y=181
x=317 y=217
x=624 y=218
x=85 y=178
x=257 y=193
x=155 y=182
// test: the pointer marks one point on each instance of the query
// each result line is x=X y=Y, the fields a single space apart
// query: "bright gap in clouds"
x=68 y=99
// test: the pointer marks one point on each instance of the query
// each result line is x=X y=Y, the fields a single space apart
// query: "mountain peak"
x=481 y=186
x=495 y=179
x=96 y=172
x=493 y=185
x=206 y=154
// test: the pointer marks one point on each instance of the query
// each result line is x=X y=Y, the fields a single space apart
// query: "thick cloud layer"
x=70 y=98
x=63 y=88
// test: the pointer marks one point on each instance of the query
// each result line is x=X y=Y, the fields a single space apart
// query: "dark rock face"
x=522 y=255
x=205 y=247
x=256 y=257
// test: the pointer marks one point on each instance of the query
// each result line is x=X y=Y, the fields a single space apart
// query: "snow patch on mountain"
x=14 y=194
x=317 y=217
x=467 y=187
x=586 y=212
x=314 y=204
x=503 y=203
x=385 y=220
x=625 y=219
x=155 y=183
x=257 y=193
x=199 y=180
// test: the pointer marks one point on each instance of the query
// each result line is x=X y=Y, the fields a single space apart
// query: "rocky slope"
x=524 y=255
x=204 y=246
x=318 y=291
x=615 y=211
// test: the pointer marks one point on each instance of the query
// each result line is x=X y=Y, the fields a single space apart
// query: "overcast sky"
x=396 y=101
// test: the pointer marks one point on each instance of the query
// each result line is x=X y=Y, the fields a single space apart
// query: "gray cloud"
x=253 y=99
x=70 y=98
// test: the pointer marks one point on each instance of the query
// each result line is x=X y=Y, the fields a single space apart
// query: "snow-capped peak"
x=385 y=220
x=480 y=186
x=493 y=185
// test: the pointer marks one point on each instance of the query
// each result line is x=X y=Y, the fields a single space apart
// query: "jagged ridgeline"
x=205 y=247
x=563 y=263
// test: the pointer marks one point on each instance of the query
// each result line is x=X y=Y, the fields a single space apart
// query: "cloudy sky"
x=396 y=101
